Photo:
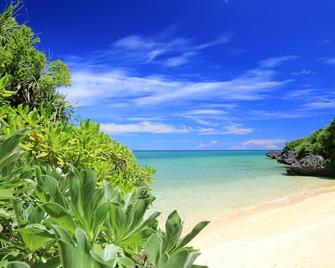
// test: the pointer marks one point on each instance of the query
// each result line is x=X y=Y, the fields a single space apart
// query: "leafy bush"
x=321 y=142
x=34 y=79
x=54 y=219
x=55 y=143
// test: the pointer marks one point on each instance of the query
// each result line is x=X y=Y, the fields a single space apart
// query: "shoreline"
x=290 y=231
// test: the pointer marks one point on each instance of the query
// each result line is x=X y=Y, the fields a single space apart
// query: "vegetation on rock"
x=321 y=142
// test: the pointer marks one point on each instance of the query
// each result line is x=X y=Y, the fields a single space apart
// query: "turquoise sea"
x=209 y=184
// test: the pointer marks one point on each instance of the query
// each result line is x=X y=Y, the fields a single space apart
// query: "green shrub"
x=55 y=143
x=292 y=145
x=34 y=78
x=321 y=142
x=54 y=219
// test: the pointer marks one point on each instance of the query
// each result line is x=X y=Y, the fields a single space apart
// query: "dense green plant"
x=4 y=94
x=54 y=219
x=321 y=142
x=34 y=79
x=56 y=143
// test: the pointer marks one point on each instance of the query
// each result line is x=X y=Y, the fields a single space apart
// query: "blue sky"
x=195 y=74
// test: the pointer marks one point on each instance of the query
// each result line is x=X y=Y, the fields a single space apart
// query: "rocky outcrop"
x=273 y=154
x=310 y=165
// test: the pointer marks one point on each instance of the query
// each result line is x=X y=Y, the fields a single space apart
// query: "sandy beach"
x=294 y=231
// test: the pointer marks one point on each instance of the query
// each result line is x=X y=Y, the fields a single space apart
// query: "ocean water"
x=210 y=184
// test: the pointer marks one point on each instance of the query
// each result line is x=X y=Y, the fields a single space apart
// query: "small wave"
x=279 y=200
x=248 y=208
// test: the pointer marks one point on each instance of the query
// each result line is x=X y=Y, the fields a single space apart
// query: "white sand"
x=294 y=232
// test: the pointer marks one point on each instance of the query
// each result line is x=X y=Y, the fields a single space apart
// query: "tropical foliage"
x=70 y=196
x=50 y=218
x=321 y=142
x=56 y=143
x=33 y=78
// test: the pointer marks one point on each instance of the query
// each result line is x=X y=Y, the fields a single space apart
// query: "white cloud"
x=202 y=121
x=299 y=93
x=91 y=88
x=173 y=52
x=250 y=86
x=236 y=129
x=303 y=72
x=261 y=143
x=274 y=62
x=142 y=127
x=320 y=104
x=204 y=145
x=233 y=129
x=262 y=115
x=179 y=60
x=330 y=61
x=206 y=112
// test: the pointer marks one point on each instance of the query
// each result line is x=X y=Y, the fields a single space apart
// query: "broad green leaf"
x=74 y=256
x=59 y=216
x=154 y=247
x=6 y=193
x=17 y=264
x=5 y=81
x=173 y=229
x=9 y=145
x=195 y=231
x=35 y=236
x=182 y=259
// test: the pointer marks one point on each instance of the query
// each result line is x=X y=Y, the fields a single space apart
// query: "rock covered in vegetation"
x=311 y=156
x=310 y=165
x=273 y=154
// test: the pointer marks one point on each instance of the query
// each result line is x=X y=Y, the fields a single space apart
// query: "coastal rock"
x=273 y=154
x=310 y=165
x=288 y=158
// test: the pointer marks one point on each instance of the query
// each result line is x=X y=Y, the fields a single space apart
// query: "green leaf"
x=17 y=264
x=182 y=259
x=8 y=146
x=195 y=231
x=74 y=256
x=5 y=82
x=173 y=228
x=35 y=236
x=59 y=216
x=6 y=193
x=153 y=247
x=126 y=262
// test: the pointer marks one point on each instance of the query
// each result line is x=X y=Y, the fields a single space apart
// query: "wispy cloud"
x=326 y=41
x=270 y=115
x=250 y=86
x=303 y=72
x=260 y=144
x=202 y=145
x=330 y=61
x=233 y=129
x=206 y=112
x=90 y=87
x=170 y=52
x=299 y=93
x=142 y=127
x=274 y=62
x=321 y=104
